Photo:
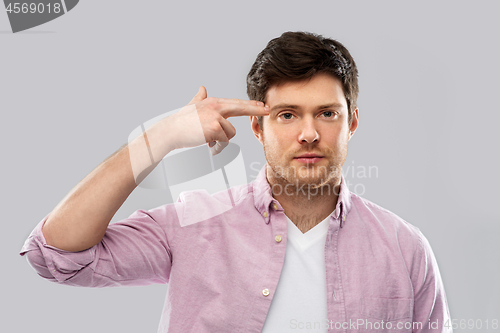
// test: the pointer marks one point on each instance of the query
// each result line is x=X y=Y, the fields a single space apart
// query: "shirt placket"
x=276 y=221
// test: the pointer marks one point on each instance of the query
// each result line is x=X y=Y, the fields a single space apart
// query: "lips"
x=308 y=158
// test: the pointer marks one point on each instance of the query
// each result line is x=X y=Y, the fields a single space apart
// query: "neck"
x=304 y=204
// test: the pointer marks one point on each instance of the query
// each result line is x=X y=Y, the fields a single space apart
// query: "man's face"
x=306 y=134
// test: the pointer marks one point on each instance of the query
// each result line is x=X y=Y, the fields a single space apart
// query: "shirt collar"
x=264 y=201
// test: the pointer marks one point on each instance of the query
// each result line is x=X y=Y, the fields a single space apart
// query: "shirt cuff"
x=53 y=263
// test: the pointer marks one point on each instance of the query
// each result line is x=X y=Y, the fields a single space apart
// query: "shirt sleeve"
x=133 y=252
x=430 y=305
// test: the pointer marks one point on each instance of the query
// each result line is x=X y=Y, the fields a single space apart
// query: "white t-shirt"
x=299 y=303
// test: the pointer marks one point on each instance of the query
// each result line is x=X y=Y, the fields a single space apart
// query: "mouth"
x=308 y=158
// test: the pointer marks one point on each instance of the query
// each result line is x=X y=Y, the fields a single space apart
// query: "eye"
x=328 y=114
x=286 y=115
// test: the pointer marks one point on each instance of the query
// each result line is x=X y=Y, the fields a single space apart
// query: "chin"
x=313 y=182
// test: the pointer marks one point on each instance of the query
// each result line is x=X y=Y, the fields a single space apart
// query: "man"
x=295 y=250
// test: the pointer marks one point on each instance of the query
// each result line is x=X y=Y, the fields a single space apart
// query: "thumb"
x=200 y=95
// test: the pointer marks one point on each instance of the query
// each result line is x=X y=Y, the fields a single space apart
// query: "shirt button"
x=265 y=292
x=275 y=206
x=278 y=238
x=265 y=214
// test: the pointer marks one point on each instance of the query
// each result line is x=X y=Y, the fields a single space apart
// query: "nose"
x=308 y=133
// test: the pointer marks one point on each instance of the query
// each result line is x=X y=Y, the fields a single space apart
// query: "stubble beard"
x=312 y=178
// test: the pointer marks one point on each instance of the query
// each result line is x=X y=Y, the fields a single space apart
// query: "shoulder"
x=405 y=240
x=374 y=216
x=200 y=205
x=225 y=197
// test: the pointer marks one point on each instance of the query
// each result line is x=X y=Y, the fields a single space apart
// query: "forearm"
x=80 y=220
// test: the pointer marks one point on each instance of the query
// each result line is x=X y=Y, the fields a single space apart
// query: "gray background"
x=73 y=89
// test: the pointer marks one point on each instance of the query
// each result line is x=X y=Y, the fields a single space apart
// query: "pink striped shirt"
x=223 y=270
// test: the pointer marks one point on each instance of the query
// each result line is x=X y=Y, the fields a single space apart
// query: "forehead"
x=321 y=89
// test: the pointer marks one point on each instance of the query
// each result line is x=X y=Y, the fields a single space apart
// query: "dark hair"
x=297 y=56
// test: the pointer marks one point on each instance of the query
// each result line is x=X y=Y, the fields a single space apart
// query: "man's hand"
x=211 y=113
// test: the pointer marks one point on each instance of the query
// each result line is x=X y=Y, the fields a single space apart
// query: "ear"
x=256 y=129
x=354 y=123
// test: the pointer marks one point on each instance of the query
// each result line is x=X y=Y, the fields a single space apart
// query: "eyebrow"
x=296 y=107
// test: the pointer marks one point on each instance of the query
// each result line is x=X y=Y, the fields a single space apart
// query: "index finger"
x=238 y=101
x=243 y=109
